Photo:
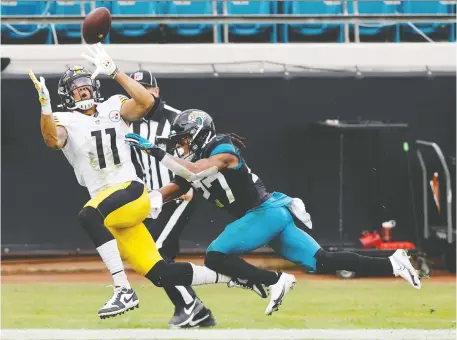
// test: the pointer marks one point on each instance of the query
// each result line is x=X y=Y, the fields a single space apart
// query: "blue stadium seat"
x=180 y=7
x=312 y=7
x=72 y=31
x=453 y=26
x=133 y=8
x=252 y=8
x=25 y=8
x=426 y=7
x=375 y=7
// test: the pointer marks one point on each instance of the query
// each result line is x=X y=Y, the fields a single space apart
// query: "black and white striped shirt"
x=154 y=174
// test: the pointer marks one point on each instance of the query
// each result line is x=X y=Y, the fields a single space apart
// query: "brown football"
x=96 y=25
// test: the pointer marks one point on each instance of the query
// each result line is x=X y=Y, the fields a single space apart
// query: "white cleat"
x=285 y=283
x=123 y=300
x=403 y=267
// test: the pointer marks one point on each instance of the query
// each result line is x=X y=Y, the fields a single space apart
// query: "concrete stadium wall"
x=166 y=59
x=41 y=197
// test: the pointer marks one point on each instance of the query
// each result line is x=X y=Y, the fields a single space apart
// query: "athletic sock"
x=183 y=274
x=203 y=275
x=109 y=252
x=236 y=267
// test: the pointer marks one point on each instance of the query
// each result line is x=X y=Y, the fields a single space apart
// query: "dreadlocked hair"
x=237 y=140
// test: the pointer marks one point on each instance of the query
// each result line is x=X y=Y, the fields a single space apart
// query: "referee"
x=167 y=228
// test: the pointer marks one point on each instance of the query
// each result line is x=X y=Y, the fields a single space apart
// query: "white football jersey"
x=95 y=146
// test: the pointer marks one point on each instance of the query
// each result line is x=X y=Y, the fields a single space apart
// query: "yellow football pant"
x=124 y=207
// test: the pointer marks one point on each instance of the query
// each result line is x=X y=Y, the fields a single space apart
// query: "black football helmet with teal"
x=197 y=126
x=73 y=78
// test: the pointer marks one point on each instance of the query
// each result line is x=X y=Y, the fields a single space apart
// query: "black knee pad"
x=156 y=273
x=92 y=221
x=173 y=274
x=89 y=216
x=215 y=260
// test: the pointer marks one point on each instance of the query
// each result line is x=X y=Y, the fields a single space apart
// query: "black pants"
x=166 y=230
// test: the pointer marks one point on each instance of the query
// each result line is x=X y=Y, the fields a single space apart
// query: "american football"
x=96 y=25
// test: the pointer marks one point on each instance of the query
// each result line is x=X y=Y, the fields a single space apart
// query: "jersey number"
x=205 y=184
x=99 y=145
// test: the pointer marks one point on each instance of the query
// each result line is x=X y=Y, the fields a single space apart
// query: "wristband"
x=46 y=109
x=115 y=73
x=157 y=153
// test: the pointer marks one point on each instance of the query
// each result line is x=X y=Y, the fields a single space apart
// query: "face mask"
x=85 y=104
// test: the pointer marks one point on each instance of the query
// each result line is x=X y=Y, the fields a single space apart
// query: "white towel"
x=156 y=203
x=297 y=207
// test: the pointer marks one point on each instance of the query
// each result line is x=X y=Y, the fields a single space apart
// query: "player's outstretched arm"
x=141 y=100
x=54 y=136
x=181 y=167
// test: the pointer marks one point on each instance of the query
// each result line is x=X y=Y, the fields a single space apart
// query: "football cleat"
x=403 y=267
x=279 y=290
x=123 y=300
x=183 y=316
x=203 y=319
x=245 y=284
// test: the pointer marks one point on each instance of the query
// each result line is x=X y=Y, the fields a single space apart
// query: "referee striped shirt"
x=153 y=173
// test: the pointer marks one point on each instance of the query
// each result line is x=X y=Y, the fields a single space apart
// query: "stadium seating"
x=69 y=32
x=312 y=7
x=132 y=8
x=429 y=7
x=253 y=8
x=23 y=32
x=372 y=8
x=183 y=7
x=198 y=32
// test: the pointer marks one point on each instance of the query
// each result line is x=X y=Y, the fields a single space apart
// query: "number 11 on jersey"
x=99 y=145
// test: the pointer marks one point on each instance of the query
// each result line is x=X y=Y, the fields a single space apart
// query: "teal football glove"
x=136 y=141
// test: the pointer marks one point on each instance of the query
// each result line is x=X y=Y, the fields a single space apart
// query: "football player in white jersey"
x=91 y=135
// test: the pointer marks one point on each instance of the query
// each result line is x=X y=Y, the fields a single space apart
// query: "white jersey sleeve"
x=112 y=103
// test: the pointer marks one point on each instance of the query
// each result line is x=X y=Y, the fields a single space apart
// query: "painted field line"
x=227 y=334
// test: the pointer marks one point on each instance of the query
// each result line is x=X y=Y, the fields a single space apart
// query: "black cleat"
x=245 y=284
x=183 y=316
x=204 y=319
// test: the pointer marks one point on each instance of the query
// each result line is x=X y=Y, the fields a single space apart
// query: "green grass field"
x=312 y=304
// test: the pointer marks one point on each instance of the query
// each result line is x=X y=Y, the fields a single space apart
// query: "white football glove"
x=156 y=203
x=43 y=94
x=101 y=60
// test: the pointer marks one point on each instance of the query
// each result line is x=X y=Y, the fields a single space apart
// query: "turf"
x=312 y=304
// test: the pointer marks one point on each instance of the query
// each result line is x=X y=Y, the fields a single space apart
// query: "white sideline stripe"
x=227 y=334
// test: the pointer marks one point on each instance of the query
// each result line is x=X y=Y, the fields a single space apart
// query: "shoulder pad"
x=219 y=144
